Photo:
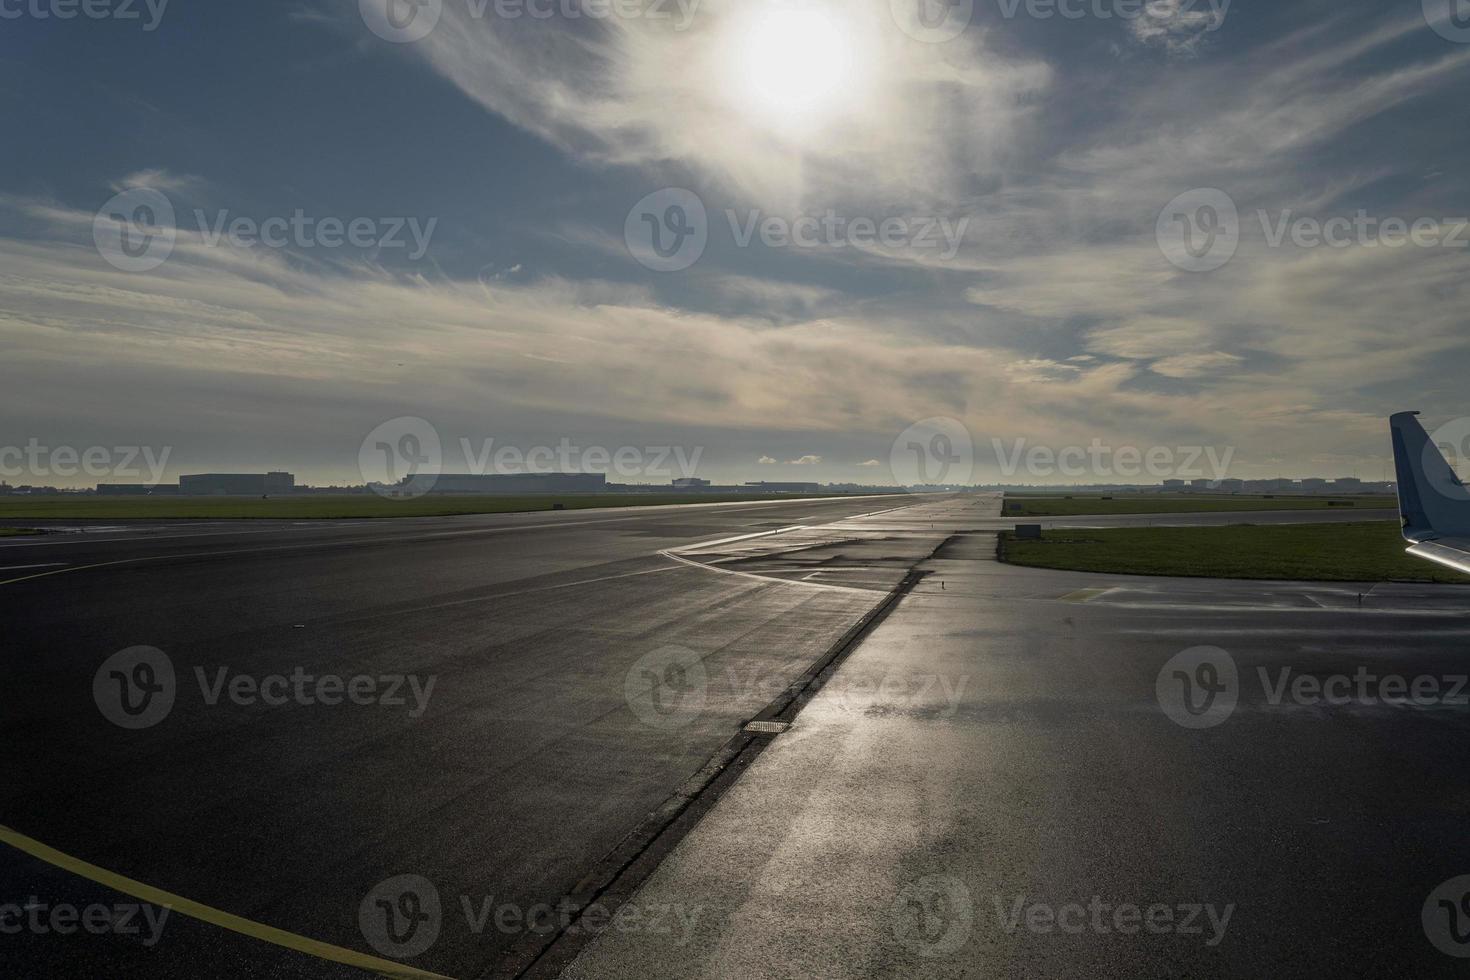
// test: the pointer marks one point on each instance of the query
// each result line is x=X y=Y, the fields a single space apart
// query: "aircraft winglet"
x=1432 y=498
x=1434 y=501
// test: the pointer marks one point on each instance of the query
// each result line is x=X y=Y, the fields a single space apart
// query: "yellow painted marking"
x=213 y=916
x=1084 y=595
x=74 y=568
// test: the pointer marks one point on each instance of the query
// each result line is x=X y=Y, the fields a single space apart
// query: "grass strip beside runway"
x=1023 y=506
x=1369 y=552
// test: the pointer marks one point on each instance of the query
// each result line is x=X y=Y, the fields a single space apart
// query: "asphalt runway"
x=526 y=762
x=585 y=664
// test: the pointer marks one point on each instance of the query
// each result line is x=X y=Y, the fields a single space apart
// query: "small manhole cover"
x=767 y=727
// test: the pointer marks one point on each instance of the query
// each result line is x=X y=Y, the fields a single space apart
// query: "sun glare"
x=794 y=66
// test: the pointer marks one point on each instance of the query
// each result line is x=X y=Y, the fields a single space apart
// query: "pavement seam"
x=616 y=878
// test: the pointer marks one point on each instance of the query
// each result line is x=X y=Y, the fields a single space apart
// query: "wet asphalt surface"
x=527 y=760
x=1000 y=735
x=1008 y=778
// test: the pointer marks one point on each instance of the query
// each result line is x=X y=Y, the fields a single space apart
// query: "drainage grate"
x=767 y=727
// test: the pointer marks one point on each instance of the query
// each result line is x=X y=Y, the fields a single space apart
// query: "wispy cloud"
x=646 y=92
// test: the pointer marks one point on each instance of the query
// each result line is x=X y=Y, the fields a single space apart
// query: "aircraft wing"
x=1454 y=552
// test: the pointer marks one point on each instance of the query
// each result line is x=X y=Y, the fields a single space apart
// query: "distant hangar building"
x=520 y=483
x=138 y=489
x=763 y=486
x=236 y=484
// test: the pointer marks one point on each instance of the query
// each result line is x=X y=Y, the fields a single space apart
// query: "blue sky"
x=1064 y=314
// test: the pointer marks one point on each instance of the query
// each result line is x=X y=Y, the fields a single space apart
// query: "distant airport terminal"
x=281 y=483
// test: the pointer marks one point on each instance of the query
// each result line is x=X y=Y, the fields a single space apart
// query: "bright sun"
x=794 y=66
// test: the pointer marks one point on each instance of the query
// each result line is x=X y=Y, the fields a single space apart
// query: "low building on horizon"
x=137 y=489
x=236 y=484
x=510 y=483
x=763 y=486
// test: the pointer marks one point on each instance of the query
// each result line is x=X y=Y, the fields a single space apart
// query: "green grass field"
x=324 y=508
x=1023 y=506
x=1370 y=552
